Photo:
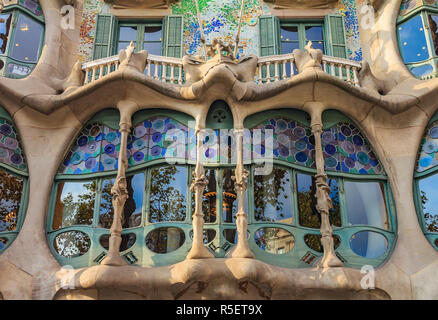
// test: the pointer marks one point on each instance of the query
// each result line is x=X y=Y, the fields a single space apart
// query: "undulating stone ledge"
x=226 y=278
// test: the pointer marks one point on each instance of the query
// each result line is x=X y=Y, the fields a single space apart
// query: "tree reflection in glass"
x=306 y=190
x=11 y=188
x=433 y=22
x=133 y=205
x=229 y=197
x=168 y=194
x=74 y=204
x=429 y=202
x=272 y=197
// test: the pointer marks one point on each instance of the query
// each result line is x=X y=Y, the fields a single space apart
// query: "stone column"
x=119 y=191
x=242 y=249
x=198 y=250
x=323 y=201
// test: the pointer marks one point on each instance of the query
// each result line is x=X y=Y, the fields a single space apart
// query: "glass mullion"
x=148 y=196
x=342 y=203
x=294 y=197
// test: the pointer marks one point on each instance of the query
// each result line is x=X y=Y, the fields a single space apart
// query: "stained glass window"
x=345 y=149
x=429 y=149
x=292 y=141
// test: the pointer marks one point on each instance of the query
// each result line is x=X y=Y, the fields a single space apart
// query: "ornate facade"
x=218 y=149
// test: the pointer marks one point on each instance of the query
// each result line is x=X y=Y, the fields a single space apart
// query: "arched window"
x=283 y=220
x=426 y=182
x=156 y=223
x=13 y=181
x=21 y=38
x=417 y=31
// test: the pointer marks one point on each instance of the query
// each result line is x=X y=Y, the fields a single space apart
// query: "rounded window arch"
x=21 y=38
x=426 y=182
x=417 y=32
x=13 y=181
x=283 y=220
x=156 y=223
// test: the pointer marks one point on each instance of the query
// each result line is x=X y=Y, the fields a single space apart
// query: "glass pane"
x=413 y=40
x=274 y=240
x=289 y=33
x=318 y=45
x=272 y=197
x=231 y=235
x=314 y=33
x=74 y=204
x=133 y=206
x=208 y=235
x=165 y=240
x=308 y=215
x=5 y=25
x=153 y=48
x=3 y=243
x=128 y=34
x=368 y=244
x=422 y=71
x=168 y=194
x=209 y=198
x=230 y=204
x=122 y=45
x=433 y=22
x=289 y=47
x=27 y=39
x=128 y=240
x=11 y=188
x=152 y=33
x=71 y=244
x=366 y=204
x=429 y=202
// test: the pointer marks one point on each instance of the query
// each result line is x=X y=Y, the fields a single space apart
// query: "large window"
x=284 y=220
x=426 y=183
x=13 y=181
x=280 y=200
x=417 y=32
x=21 y=38
x=296 y=35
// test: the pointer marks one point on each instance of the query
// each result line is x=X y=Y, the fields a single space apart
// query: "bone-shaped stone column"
x=240 y=177
x=119 y=191
x=323 y=201
x=198 y=250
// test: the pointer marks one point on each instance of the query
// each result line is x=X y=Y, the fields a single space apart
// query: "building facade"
x=218 y=149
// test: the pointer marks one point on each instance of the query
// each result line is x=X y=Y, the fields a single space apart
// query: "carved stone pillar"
x=323 y=201
x=242 y=249
x=119 y=191
x=198 y=250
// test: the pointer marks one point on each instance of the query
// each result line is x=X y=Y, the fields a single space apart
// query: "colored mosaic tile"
x=88 y=28
x=11 y=152
x=33 y=6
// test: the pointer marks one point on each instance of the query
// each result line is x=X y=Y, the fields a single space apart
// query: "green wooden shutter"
x=269 y=35
x=335 y=33
x=103 y=41
x=173 y=36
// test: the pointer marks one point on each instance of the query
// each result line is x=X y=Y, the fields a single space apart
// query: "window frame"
x=423 y=11
x=16 y=10
x=302 y=24
x=418 y=176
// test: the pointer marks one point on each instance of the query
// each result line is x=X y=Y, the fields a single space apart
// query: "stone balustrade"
x=269 y=68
